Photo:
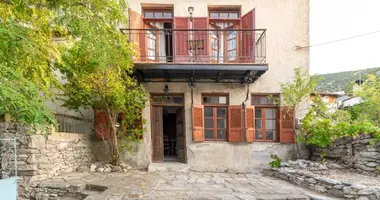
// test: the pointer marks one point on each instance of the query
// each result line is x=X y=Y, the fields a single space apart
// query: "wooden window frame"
x=157 y=10
x=215 y=116
x=263 y=118
x=224 y=10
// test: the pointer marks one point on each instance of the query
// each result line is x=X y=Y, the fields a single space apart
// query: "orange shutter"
x=247 y=42
x=181 y=37
x=287 y=133
x=249 y=123
x=198 y=120
x=235 y=124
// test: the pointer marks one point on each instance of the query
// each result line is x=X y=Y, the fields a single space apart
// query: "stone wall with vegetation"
x=317 y=176
x=42 y=156
x=356 y=153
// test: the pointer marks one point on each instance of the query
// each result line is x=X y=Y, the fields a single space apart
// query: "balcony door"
x=224 y=44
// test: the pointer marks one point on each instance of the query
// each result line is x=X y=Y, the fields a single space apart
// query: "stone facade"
x=357 y=153
x=314 y=176
x=42 y=156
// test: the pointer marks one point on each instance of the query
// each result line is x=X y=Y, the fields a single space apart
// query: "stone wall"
x=40 y=157
x=315 y=176
x=356 y=153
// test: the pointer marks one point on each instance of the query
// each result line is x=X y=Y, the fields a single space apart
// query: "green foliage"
x=98 y=66
x=26 y=54
x=369 y=92
x=342 y=81
x=294 y=93
x=276 y=161
x=320 y=127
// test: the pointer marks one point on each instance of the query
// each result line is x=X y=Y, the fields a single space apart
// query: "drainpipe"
x=243 y=108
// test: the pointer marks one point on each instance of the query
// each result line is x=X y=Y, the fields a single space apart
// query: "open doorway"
x=168 y=136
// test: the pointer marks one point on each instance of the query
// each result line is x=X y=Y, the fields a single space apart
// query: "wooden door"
x=181 y=136
x=157 y=134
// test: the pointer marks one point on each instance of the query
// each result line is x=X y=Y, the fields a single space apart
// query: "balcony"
x=198 y=45
x=215 y=55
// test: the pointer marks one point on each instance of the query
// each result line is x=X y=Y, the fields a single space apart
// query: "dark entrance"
x=167 y=129
x=168 y=41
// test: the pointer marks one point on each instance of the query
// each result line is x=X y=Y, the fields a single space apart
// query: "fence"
x=74 y=124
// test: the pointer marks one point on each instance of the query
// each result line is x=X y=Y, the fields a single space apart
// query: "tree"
x=295 y=94
x=98 y=66
x=26 y=54
x=369 y=109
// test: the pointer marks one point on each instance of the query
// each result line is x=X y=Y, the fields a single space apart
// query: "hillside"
x=341 y=81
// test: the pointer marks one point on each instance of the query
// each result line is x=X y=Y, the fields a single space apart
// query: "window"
x=152 y=14
x=151 y=45
x=266 y=118
x=231 y=45
x=215 y=116
x=232 y=14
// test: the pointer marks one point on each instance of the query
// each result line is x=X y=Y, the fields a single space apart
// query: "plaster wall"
x=287 y=24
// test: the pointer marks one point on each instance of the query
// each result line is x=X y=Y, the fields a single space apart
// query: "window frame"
x=215 y=117
x=157 y=10
x=263 y=118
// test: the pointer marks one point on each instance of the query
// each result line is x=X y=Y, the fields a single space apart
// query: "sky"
x=337 y=19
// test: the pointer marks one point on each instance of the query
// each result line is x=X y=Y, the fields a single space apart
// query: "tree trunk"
x=114 y=146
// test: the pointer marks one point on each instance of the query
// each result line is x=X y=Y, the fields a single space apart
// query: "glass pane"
x=221 y=134
x=209 y=123
x=148 y=15
x=233 y=16
x=178 y=99
x=214 y=15
x=209 y=134
x=270 y=135
x=223 y=15
x=263 y=100
x=258 y=113
x=258 y=135
x=223 y=100
x=270 y=101
x=158 y=15
x=258 y=123
x=167 y=15
x=222 y=112
x=255 y=100
x=270 y=113
x=221 y=123
x=208 y=112
x=270 y=124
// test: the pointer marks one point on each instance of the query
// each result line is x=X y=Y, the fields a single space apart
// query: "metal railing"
x=198 y=45
x=74 y=124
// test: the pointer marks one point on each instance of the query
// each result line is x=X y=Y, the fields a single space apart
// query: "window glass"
x=262 y=100
x=270 y=113
x=270 y=135
x=233 y=16
x=221 y=134
x=165 y=99
x=214 y=15
x=215 y=100
x=158 y=15
x=258 y=135
x=221 y=112
x=222 y=123
x=209 y=123
x=209 y=134
x=223 y=15
x=168 y=15
x=148 y=14
x=258 y=113
x=258 y=123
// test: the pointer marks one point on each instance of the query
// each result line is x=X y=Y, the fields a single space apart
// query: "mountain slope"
x=341 y=81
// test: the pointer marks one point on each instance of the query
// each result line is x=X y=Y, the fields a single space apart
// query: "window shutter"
x=250 y=123
x=181 y=38
x=287 y=133
x=235 y=124
x=247 y=42
x=198 y=121
x=201 y=23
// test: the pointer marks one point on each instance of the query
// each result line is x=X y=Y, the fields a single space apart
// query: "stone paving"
x=176 y=185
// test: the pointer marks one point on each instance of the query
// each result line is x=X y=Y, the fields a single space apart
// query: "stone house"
x=209 y=67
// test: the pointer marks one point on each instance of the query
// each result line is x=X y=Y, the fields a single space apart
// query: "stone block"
x=364 y=167
x=367 y=191
x=371 y=155
x=348 y=190
x=320 y=188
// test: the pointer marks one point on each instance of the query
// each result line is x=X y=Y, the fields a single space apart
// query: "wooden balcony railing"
x=198 y=45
